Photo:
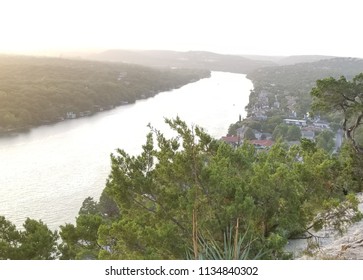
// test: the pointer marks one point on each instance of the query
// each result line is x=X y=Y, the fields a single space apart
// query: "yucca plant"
x=235 y=247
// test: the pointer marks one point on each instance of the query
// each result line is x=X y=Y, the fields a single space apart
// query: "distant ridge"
x=289 y=60
x=303 y=59
x=191 y=59
x=304 y=75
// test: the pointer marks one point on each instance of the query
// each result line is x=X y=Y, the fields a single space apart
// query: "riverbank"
x=11 y=132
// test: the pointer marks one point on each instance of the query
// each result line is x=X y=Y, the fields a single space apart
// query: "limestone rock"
x=330 y=245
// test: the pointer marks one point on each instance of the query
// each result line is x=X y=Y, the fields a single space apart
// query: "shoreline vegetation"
x=36 y=91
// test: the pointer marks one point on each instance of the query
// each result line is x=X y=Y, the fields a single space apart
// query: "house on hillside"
x=321 y=124
x=233 y=140
x=257 y=134
x=71 y=115
x=295 y=122
x=85 y=113
x=262 y=144
x=262 y=135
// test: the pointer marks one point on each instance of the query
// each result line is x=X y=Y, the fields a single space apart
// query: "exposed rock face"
x=348 y=247
x=332 y=246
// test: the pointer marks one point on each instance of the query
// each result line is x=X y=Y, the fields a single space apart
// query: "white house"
x=321 y=124
x=295 y=122
x=71 y=115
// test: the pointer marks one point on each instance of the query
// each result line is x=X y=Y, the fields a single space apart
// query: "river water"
x=47 y=173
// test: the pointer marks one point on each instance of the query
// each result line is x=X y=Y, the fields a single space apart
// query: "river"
x=47 y=173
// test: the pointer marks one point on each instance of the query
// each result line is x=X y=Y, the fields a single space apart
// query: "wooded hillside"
x=35 y=90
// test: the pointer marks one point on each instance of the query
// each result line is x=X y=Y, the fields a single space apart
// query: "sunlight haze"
x=236 y=27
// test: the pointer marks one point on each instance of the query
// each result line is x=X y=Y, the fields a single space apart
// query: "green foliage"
x=280 y=131
x=293 y=133
x=108 y=207
x=350 y=162
x=266 y=126
x=358 y=135
x=80 y=241
x=252 y=124
x=308 y=146
x=233 y=248
x=89 y=207
x=334 y=214
x=286 y=132
x=9 y=240
x=35 y=242
x=342 y=96
x=325 y=140
x=232 y=130
x=249 y=135
x=157 y=192
x=270 y=124
x=69 y=246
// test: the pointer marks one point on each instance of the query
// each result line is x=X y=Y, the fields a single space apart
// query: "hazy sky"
x=271 y=27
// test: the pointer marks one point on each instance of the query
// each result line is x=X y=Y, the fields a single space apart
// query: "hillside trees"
x=232 y=130
x=344 y=98
x=293 y=133
x=342 y=95
x=280 y=131
x=35 y=242
x=158 y=193
x=190 y=185
x=9 y=239
x=38 y=242
x=249 y=135
x=80 y=241
x=325 y=140
x=36 y=91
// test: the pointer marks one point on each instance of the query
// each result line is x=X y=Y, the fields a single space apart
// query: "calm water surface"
x=47 y=173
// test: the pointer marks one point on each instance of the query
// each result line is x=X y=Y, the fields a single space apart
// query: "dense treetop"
x=346 y=97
